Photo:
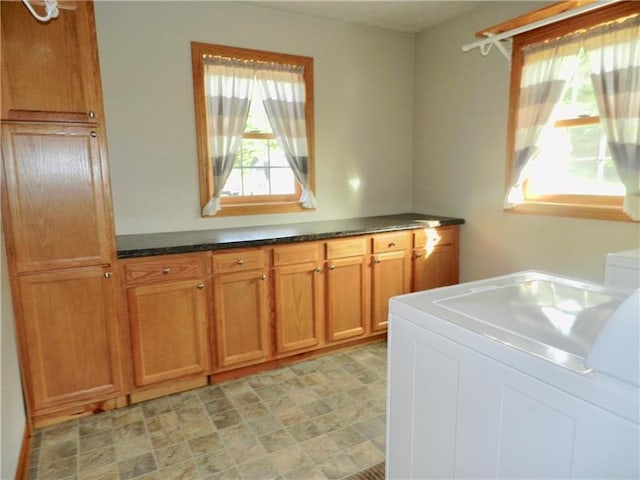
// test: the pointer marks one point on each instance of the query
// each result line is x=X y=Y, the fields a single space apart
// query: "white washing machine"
x=622 y=270
x=528 y=375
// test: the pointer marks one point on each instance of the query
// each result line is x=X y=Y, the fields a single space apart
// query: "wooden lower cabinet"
x=298 y=307
x=241 y=318
x=168 y=328
x=70 y=336
x=390 y=276
x=192 y=315
x=346 y=289
x=168 y=310
x=435 y=258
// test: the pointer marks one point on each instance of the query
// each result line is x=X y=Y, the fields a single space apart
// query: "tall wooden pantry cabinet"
x=56 y=213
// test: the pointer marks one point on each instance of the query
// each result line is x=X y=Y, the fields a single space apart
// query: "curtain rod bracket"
x=486 y=48
x=51 y=10
x=495 y=39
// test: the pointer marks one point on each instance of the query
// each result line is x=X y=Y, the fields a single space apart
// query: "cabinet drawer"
x=389 y=242
x=238 y=261
x=163 y=269
x=302 y=253
x=349 y=247
x=435 y=236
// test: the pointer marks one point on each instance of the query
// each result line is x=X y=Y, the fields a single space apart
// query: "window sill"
x=260 y=209
x=594 y=212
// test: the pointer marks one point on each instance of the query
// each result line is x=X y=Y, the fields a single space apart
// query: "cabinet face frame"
x=22 y=217
x=36 y=366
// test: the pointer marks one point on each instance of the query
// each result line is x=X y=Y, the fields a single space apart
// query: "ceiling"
x=402 y=16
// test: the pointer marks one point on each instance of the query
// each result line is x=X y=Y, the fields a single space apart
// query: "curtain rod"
x=494 y=39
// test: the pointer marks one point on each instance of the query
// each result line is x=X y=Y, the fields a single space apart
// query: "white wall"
x=459 y=166
x=451 y=143
x=363 y=109
x=13 y=422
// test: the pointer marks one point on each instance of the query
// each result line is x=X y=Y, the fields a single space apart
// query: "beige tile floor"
x=322 y=418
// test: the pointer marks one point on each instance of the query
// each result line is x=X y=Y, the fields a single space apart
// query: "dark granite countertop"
x=150 y=244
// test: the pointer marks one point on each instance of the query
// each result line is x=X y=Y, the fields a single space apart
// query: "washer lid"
x=545 y=310
x=549 y=316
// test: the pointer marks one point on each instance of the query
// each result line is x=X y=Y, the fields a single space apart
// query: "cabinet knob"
x=377 y=260
x=107 y=275
x=418 y=255
x=91 y=114
x=240 y=262
x=317 y=270
x=262 y=277
x=200 y=286
x=392 y=244
x=331 y=267
x=166 y=270
x=93 y=133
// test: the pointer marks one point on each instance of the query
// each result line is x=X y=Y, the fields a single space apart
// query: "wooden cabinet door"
x=57 y=201
x=437 y=268
x=298 y=307
x=70 y=334
x=346 y=298
x=168 y=325
x=435 y=257
x=391 y=275
x=50 y=71
x=241 y=318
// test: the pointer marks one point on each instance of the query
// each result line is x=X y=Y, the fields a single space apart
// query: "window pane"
x=261 y=168
x=254 y=153
x=586 y=141
x=255 y=181
x=237 y=162
x=574 y=160
x=282 y=181
x=278 y=158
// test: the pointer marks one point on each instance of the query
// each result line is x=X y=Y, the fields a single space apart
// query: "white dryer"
x=528 y=375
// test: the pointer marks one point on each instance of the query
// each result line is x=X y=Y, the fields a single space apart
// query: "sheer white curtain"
x=283 y=91
x=545 y=71
x=228 y=87
x=614 y=55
